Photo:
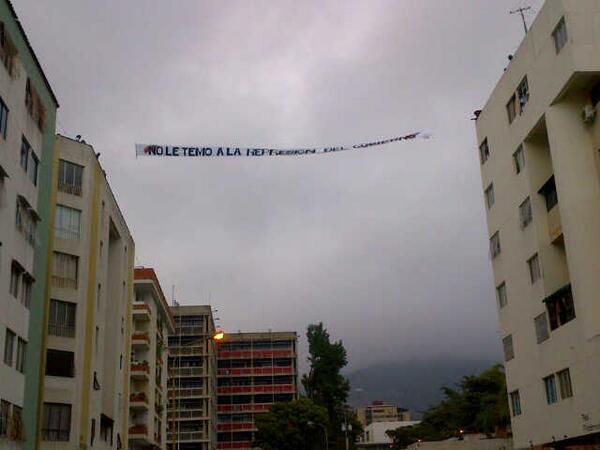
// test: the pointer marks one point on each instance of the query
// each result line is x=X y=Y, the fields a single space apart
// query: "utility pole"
x=521 y=11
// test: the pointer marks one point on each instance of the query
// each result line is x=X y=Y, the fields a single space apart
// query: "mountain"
x=413 y=384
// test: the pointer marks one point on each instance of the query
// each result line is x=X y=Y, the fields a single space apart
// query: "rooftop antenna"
x=173 y=296
x=521 y=11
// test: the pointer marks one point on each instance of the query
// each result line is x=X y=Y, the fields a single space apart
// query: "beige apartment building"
x=86 y=385
x=378 y=411
x=192 y=399
x=152 y=325
x=539 y=142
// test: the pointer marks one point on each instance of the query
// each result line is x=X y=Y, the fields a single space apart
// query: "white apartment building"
x=86 y=387
x=539 y=141
x=152 y=325
x=27 y=123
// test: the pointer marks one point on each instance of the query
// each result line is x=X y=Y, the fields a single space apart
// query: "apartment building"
x=255 y=371
x=539 y=141
x=27 y=125
x=86 y=385
x=192 y=379
x=378 y=411
x=152 y=325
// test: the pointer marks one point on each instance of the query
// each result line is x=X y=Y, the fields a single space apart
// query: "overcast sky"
x=388 y=247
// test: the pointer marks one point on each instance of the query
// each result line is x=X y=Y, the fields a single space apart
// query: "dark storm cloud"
x=388 y=247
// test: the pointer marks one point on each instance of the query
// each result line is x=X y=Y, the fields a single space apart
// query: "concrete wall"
x=483 y=444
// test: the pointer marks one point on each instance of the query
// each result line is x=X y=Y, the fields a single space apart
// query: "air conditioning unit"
x=588 y=114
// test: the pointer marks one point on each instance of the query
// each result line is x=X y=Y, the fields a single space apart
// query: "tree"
x=479 y=404
x=296 y=425
x=325 y=385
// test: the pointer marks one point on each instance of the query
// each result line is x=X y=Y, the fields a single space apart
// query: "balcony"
x=258 y=354
x=186 y=351
x=554 y=225
x=139 y=370
x=241 y=445
x=138 y=401
x=141 y=311
x=236 y=426
x=190 y=414
x=138 y=432
x=140 y=340
x=189 y=330
x=187 y=436
x=245 y=408
x=258 y=389
x=186 y=392
x=177 y=372
x=257 y=371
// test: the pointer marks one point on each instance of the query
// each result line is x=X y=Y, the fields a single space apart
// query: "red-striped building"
x=255 y=370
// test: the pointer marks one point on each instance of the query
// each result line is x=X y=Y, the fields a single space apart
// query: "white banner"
x=207 y=151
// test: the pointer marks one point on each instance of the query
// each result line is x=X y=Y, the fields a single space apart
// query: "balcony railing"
x=61 y=330
x=186 y=371
x=140 y=338
x=258 y=354
x=69 y=188
x=187 y=436
x=240 y=445
x=197 y=414
x=257 y=389
x=138 y=429
x=236 y=426
x=195 y=350
x=246 y=407
x=141 y=310
x=241 y=371
x=187 y=392
x=189 y=330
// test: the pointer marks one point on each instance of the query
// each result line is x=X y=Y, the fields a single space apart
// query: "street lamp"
x=311 y=423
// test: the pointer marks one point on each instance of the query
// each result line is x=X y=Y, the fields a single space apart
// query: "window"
x=15 y=277
x=484 y=151
x=560 y=35
x=56 y=424
x=62 y=318
x=541 y=328
x=495 y=245
x=525 y=213
x=9 y=346
x=501 y=292
x=515 y=403
x=17 y=430
x=535 y=273
x=106 y=429
x=25 y=220
x=32 y=167
x=67 y=223
x=507 y=345
x=4 y=416
x=511 y=109
x=60 y=363
x=64 y=270
x=29 y=97
x=70 y=177
x=8 y=50
x=25 y=148
x=489 y=196
x=26 y=287
x=519 y=159
x=564 y=380
x=523 y=94
x=561 y=309
x=21 y=353
x=548 y=190
x=3 y=118
x=550 y=386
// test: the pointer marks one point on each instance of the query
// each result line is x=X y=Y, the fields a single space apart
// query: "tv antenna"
x=522 y=11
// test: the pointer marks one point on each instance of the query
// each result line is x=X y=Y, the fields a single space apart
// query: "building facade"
x=375 y=435
x=378 y=411
x=538 y=145
x=152 y=325
x=255 y=370
x=192 y=379
x=86 y=385
x=27 y=127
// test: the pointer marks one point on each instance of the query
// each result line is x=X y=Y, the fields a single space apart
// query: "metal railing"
x=69 y=188
x=61 y=330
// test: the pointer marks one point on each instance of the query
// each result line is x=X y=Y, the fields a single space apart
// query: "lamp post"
x=324 y=428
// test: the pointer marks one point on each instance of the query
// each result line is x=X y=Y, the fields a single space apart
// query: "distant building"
x=538 y=136
x=27 y=127
x=86 y=384
x=375 y=434
x=192 y=375
x=378 y=411
x=255 y=371
x=152 y=326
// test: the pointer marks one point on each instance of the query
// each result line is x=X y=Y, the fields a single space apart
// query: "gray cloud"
x=387 y=247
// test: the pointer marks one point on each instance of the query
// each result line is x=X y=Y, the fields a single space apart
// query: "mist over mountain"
x=412 y=384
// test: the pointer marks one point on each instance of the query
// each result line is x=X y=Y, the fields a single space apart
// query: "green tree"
x=297 y=425
x=478 y=404
x=325 y=385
